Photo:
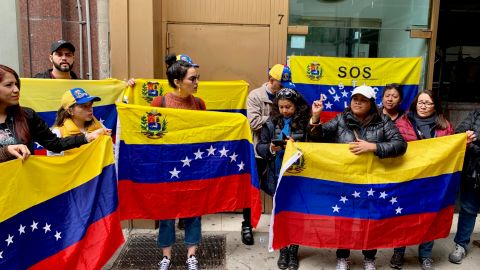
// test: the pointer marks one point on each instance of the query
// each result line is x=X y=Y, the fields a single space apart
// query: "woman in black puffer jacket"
x=365 y=129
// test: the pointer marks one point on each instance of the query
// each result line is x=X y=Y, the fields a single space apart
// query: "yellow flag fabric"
x=227 y=96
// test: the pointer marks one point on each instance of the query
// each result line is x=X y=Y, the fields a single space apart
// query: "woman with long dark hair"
x=424 y=120
x=365 y=129
x=391 y=100
x=21 y=126
x=288 y=121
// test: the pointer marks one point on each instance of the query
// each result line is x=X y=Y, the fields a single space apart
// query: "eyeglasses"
x=194 y=78
x=287 y=93
x=426 y=104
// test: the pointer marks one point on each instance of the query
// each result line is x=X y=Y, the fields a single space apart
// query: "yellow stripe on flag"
x=335 y=162
x=218 y=95
x=180 y=126
x=46 y=95
x=41 y=178
x=346 y=71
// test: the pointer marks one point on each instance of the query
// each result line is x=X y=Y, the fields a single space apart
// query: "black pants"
x=345 y=253
x=261 y=167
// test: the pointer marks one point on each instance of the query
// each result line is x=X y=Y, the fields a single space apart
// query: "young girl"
x=288 y=121
x=75 y=116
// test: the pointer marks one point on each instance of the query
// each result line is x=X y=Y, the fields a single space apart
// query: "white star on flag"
x=37 y=145
x=174 y=173
x=343 y=199
x=9 y=240
x=34 y=226
x=383 y=195
x=58 y=235
x=223 y=152
x=233 y=157
x=393 y=200
x=101 y=120
x=328 y=105
x=370 y=192
x=1 y=254
x=211 y=150
x=398 y=210
x=186 y=162
x=21 y=229
x=344 y=93
x=198 y=154
x=240 y=166
x=336 y=209
x=356 y=194
x=336 y=98
x=47 y=227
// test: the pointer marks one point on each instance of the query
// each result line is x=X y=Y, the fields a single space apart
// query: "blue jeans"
x=424 y=250
x=469 y=206
x=193 y=232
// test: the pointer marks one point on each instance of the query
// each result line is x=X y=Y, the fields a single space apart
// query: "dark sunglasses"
x=287 y=93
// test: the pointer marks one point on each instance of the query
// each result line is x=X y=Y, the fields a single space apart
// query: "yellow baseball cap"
x=77 y=96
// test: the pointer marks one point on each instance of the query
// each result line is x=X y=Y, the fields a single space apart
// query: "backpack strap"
x=199 y=103
x=162 y=104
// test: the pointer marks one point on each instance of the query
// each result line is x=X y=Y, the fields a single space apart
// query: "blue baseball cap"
x=187 y=59
x=77 y=96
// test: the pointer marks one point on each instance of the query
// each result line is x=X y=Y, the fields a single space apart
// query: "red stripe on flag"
x=188 y=198
x=100 y=242
x=339 y=232
x=327 y=116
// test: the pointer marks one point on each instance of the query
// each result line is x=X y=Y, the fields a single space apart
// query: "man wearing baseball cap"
x=62 y=57
x=259 y=105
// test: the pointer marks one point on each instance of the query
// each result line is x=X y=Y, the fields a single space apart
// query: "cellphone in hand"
x=279 y=142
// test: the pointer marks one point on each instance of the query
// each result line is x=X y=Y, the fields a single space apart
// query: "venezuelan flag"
x=60 y=212
x=331 y=198
x=45 y=95
x=182 y=163
x=335 y=77
x=221 y=96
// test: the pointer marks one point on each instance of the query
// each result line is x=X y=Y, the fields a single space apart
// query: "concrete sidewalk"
x=239 y=256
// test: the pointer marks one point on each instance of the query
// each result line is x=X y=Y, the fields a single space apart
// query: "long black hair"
x=300 y=117
x=19 y=117
x=176 y=69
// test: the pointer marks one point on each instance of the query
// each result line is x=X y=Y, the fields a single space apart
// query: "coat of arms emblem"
x=151 y=90
x=153 y=125
x=314 y=71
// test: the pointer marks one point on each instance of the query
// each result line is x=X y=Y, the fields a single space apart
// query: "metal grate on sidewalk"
x=141 y=252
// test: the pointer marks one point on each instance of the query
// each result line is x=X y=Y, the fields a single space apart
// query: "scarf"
x=426 y=126
x=69 y=128
x=279 y=157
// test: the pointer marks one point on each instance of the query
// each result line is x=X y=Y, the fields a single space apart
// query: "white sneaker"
x=342 y=264
x=457 y=255
x=164 y=264
x=369 y=264
x=192 y=263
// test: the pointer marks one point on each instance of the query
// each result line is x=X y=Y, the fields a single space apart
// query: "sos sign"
x=354 y=72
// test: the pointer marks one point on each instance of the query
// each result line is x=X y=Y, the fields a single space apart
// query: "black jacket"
x=381 y=131
x=48 y=75
x=268 y=133
x=40 y=133
x=472 y=156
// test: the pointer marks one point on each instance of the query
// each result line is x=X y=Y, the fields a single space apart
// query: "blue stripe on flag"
x=320 y=197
